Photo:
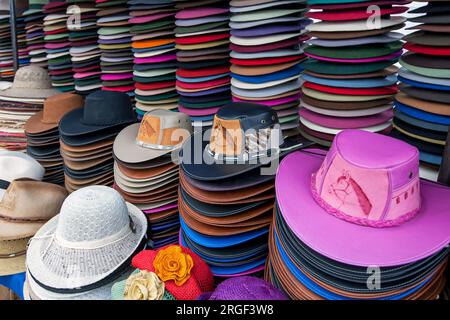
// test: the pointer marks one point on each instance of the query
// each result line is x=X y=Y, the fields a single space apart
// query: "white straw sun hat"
x=89 y=242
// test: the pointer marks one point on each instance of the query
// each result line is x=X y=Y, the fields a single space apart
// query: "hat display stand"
x=155 y=61
x=203 y=75
x=57 y=45
x=84 y=51
x=114 y=41
x=267 y=49
x=421 y=114
x=6 y=58
x=385 y=263
x=34 y=26
x=22 y=47
x=349 y=81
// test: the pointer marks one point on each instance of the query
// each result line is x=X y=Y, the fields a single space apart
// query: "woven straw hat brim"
x=32 y=291
x=14 y=265
x=96 y=264
x=28 y=93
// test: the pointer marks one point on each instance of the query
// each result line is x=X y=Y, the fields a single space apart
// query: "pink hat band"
x=369 y=187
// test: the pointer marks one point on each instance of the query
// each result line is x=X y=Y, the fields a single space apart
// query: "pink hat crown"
x=369 y=179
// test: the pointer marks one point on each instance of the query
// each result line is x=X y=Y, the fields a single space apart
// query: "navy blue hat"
x=102 y=110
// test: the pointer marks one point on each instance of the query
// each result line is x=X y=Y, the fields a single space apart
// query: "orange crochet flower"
x=172 y=263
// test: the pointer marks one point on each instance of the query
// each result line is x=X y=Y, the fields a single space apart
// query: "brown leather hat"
x=55 y=107
x=26 y=206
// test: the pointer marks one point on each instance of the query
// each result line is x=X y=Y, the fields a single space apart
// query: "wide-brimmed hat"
x=30 y=82
x=55 y=108
x=12 y=256
x=32 y=291
x=160 y=132
x=15 y=165
x=26 y=206
x=88 y=244
x=102 y=110
x=244 y=137
x=170 y=273
x=365 y=195
x=244 y=288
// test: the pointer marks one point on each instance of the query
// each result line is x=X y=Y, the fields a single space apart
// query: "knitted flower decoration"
x=172 y=263
x=144 y=285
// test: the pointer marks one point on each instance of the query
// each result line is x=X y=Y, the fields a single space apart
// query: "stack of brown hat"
x=17 y=104
x=146 y=172
x=25 y=207
x=43 y=135
x=87 y=136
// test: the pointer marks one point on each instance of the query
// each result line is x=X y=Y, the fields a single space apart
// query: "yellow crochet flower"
x=144 y=285
x=172 y=264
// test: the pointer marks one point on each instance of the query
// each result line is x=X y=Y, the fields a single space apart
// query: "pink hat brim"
x=427 y=233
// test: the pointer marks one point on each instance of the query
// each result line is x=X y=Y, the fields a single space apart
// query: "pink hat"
x=364 y=203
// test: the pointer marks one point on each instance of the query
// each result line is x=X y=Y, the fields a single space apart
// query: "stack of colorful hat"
x=226 y=190
x=84 y=51
x=266 y=42
x=6 y=58
x=22 y=47
x=170 y=273
x=358 y=223
x=350 y=82
x=23 y=99
x=87 y=136
x=43 y=135
x=34 y=20
x=155 y=60
x=202 y=40
x=422 y=113
x=57 y=45
x=146 y=170
x=93 y=238
x=115 y=45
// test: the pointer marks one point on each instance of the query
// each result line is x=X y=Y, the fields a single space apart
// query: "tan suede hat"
x=26 y=206
x=55 y=107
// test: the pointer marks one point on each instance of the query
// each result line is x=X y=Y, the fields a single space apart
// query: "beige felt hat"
x=159 y=133
x=30 y=82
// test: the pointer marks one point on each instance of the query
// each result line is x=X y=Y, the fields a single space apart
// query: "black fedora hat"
x=244 y=137
x=102 y=110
